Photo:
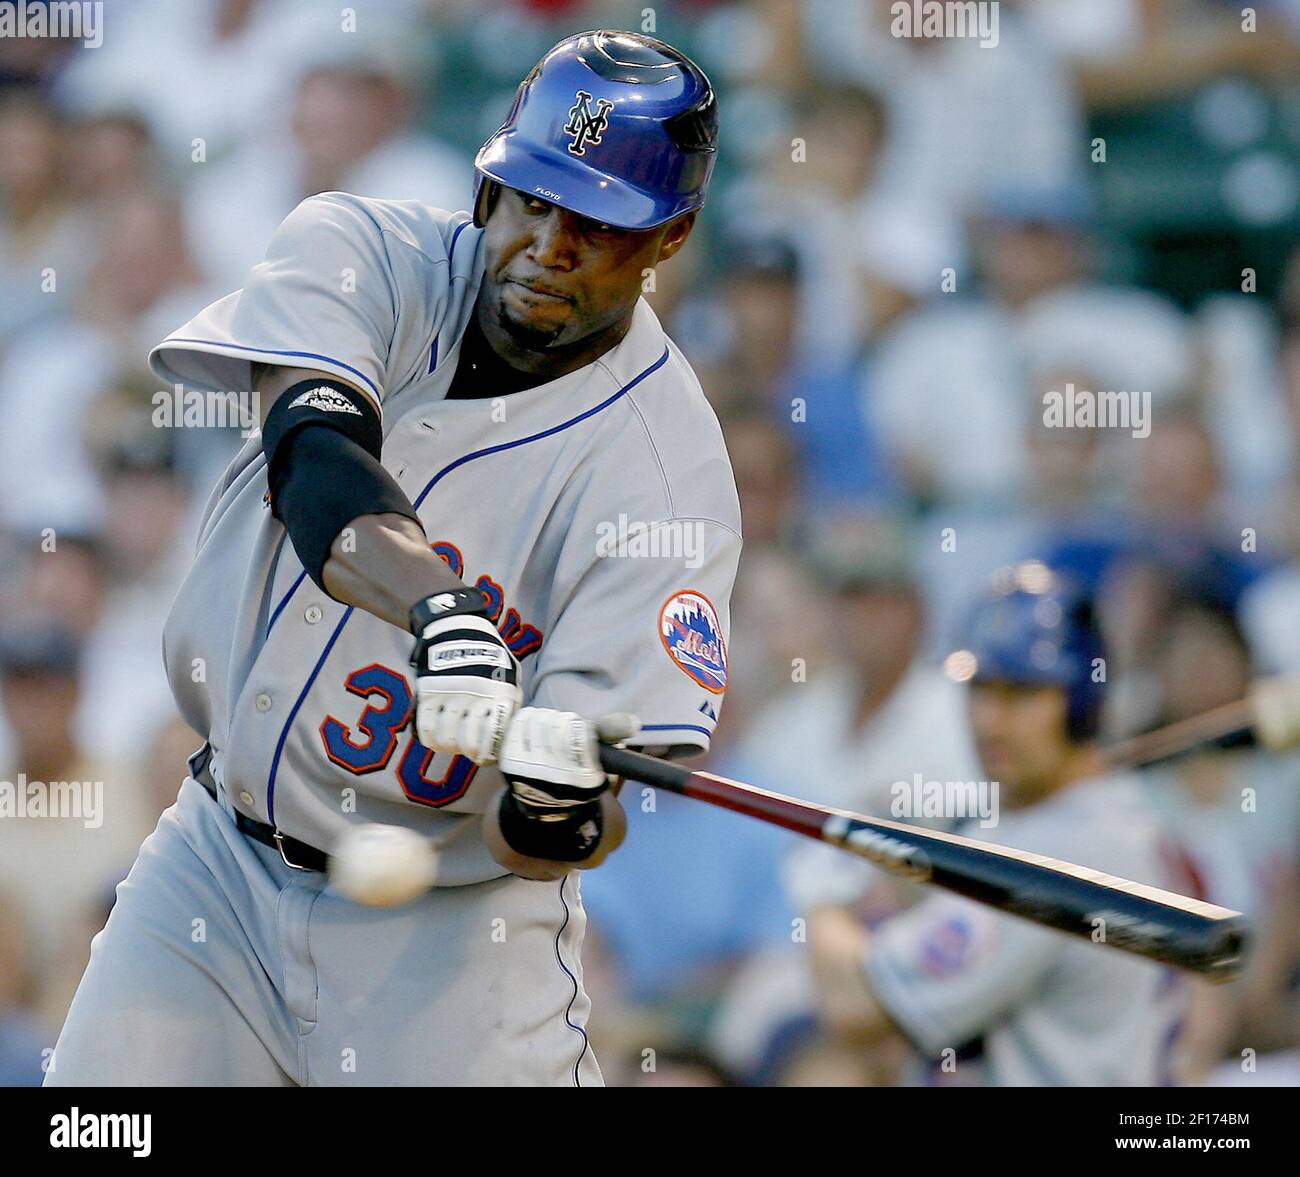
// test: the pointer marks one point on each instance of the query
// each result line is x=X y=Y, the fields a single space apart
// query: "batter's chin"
x=527 y=335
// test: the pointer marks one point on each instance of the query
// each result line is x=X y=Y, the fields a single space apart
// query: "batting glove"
x=466 y=678
x=551 y=762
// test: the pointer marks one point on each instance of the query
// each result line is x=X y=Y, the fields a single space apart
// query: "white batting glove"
x=551 y=760
x=553 y=807
x=466 y=678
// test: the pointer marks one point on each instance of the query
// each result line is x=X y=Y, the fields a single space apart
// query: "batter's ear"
x=488 y=192
x=675 y=237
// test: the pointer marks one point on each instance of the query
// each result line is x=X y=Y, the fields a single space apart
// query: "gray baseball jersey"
x=1026 y=1005
x=596 y=511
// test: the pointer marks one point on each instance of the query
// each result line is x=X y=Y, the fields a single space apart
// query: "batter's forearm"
x=384 y=565
x=547 y=869
x=380 y=562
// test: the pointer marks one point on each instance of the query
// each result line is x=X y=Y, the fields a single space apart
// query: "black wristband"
x=572 y=837
x=452 y=603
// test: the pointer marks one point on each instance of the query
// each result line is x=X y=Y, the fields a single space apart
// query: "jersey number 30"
x=368 y=745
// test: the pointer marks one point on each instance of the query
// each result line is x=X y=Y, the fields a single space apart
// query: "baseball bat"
x=1268 y=717
x=1152 y=923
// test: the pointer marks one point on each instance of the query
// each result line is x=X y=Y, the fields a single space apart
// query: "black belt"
x=297 y=855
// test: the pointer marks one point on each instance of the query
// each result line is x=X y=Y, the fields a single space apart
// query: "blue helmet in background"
x=614 y=126
x=1034 y=628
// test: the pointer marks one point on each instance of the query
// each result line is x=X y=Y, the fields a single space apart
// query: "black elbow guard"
x=322 y=442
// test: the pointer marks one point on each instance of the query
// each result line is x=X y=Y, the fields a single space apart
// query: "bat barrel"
x=1156 y=924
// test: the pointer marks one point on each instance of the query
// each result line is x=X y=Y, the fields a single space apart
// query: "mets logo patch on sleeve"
x=692 y=635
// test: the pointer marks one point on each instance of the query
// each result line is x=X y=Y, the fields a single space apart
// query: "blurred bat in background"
x=1268 y=717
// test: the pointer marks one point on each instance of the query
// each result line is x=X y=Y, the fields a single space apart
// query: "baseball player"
x=405 y=594
x=990 y=998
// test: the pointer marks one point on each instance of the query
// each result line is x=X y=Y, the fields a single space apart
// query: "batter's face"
x=1020 y=735
x=554 y=279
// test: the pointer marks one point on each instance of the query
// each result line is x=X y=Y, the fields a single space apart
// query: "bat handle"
x=637 y=766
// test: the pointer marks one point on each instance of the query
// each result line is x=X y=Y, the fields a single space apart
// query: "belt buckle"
x=278 y=837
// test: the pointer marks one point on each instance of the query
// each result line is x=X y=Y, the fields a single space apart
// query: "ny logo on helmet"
x=583 y=125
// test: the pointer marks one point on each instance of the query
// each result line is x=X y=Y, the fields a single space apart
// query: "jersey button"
x=263 y=702
x=246 y=797
x=313 y=614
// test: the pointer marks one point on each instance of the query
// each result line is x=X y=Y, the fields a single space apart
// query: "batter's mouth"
x=540 y=291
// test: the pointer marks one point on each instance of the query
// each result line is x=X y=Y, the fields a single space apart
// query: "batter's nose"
x=554 y=243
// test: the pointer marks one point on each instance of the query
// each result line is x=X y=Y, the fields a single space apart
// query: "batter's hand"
x=466 y=678
x=551 y=763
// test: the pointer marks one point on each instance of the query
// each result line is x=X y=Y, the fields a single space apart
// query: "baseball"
x=382 y=866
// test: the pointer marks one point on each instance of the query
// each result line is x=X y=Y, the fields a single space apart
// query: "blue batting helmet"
x=613 y=126
x=1034 y=628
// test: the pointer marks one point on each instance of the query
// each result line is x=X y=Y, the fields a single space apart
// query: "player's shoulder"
x=434 y=232
x=667 y=432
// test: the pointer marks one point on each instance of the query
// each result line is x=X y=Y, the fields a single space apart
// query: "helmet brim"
x=572 y=184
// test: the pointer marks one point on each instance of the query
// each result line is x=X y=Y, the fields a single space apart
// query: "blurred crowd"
x=910 y=241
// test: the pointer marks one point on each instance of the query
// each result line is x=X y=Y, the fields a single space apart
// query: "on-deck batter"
x=988 y=998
